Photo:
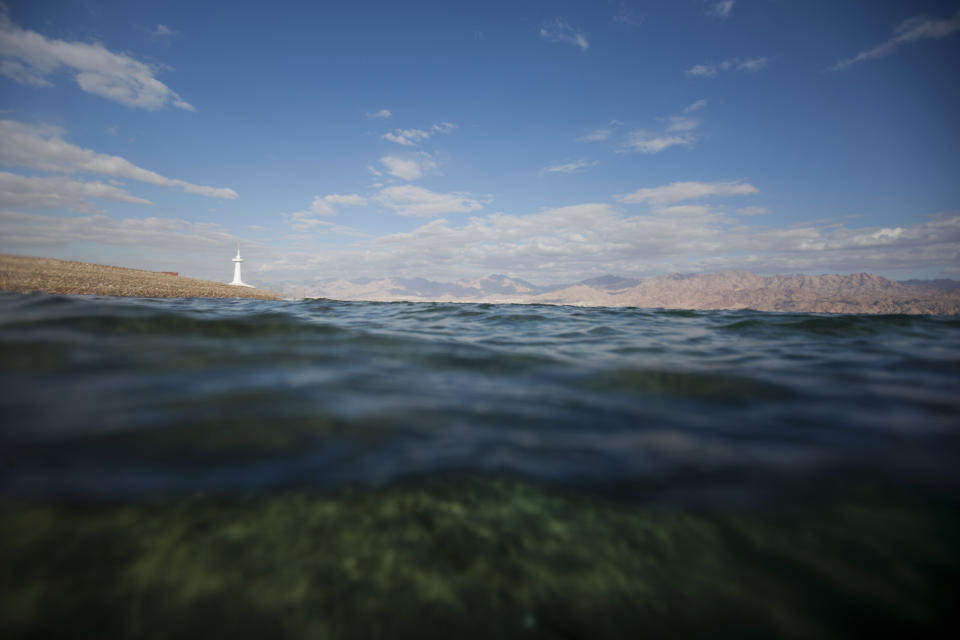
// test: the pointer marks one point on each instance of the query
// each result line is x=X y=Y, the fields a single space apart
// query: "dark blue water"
x=107 y=397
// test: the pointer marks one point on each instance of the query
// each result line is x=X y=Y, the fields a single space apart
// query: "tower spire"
x=237 y=280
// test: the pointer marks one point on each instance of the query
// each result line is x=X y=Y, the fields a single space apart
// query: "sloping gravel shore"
x=18 y=273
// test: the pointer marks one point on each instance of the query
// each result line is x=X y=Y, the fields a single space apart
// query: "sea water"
x=114 y=396
x=557 y=425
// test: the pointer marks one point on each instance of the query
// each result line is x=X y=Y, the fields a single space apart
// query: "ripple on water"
x=464 y=385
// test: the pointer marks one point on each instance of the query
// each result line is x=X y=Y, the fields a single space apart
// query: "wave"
x=105 y=395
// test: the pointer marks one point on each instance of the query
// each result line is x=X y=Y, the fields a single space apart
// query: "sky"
x=548 y=140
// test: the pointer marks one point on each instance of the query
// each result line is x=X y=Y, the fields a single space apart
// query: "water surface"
x=106 y=396
x=311 y=469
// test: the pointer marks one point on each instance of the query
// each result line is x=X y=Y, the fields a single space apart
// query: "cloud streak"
x=682 y=191
x=31 y=58
x=748 y=65
x=720 y=9
x=646 y=142
x=58 y=192
x=413 y=137
x=26 y=230
x=350 y=199
x=570 y=167
x=598 y=135
x=306 y=219
x=163 y=31
x=410 y=167
x=43 y=148
x=677 y=132
x=910 y=30
x=557 y=30
x=410 y=200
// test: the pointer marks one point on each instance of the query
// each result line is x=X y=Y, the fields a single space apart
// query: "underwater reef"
x=481 y=556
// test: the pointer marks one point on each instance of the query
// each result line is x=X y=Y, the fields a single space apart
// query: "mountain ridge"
x=829 y=293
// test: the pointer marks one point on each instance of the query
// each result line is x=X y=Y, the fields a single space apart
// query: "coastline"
x=65 y=277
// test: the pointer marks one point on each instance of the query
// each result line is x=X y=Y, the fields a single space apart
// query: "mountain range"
x=856 y=293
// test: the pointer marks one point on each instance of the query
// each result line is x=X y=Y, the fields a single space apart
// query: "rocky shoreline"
x=65 y=277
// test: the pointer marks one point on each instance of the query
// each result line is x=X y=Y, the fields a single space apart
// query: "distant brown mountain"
x=857 y=293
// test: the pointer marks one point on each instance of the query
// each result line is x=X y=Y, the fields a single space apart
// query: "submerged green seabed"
x=480 y=557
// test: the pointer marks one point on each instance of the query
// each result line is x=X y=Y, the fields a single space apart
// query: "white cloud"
x=324 y=206
x=835 y=247
x=305 y=221
x=407 y=137
x=882 y=236
x=56 y=192
x=682 y=123
x=383 y=113
x=570 y=167
x=43 y=148
x=749 y=65
x=751 y=211
x=678 y=132
x=645 y=142
x=20 y=73
x=410 y=200
x=702 y=71
x=752 y=64
x=561 y=243
x=688 y=211
x=680 y=191
x=443 y=127
x=910 y=30
x=595 y=136
x=413 y=137
x=558 y=30
x=599 y=135
x=163 y=31
x=720 y=9
x=320 y=207
x=350 y=199
x=570 y=243
x=30 y=58
x=408 y=168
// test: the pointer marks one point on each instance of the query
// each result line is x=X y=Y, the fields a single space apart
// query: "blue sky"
x=552 y=141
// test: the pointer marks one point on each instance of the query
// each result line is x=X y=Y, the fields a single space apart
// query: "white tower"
x=236 y=271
